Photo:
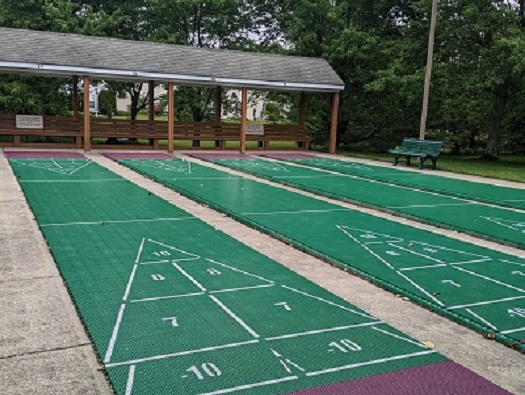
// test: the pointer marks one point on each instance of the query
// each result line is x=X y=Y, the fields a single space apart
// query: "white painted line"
x=300 y=212
x=486 y=303
x=339 y=328
x=482 y=319
x=330 y=303
x=432 y=205
x=299 y=177
x=513 y=330
x=512 y=263
x=113 y=339
x=191 y=258
x=56 y=164
x=375 y=362
x=406 y=269
x=119 y=222
x=242 y=288
x=514 y=200
x=153 y=262
x=208 y=178
x=235 y=317
x=400 y=338
x=421 y=289
x=131 y=377
x=248 y=386
x=490 y=279
x=81 y=167
x=130 y=281
x=474 y=261
x=140 y=250
x=415 y=253
x=178 y=354
x=180 y=269
x=167 y=297
x=68 y=181
x=240 y=271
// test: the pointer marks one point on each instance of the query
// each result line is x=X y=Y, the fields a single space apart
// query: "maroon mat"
x=288 y=156
x=137 y=155
x=445 y=378
x=220 y=156
x=43 y=154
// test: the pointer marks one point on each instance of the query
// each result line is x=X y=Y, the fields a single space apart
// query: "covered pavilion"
x=90 y=58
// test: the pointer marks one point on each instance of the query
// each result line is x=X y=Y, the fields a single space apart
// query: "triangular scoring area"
x=400 y=254
x=60 y=166
x=258 y=164
x=152 y=251
x=507 y=223
x=174 y=166
x=217 y=277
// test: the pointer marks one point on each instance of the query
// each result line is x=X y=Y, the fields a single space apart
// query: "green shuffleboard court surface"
x=174 y=306
x=494 y=194
x=478 y=287
x=494 y=223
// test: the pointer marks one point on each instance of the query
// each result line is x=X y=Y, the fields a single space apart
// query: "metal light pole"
x=428 y=72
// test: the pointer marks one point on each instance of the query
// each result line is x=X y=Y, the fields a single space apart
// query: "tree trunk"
x=495 y=132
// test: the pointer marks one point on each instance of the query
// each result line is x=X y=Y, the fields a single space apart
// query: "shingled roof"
x=58 y=54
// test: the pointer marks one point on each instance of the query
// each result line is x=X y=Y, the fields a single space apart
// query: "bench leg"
x=223 y=145
x=155 y=144
x=266 y=145
x=408 y=160
x=305 y=147
x=396 y=159
x=434 y=160
x=78 y=142
x=421 y=163
x=16 y=141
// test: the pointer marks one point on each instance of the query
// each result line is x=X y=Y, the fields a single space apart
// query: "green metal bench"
x=422 y=149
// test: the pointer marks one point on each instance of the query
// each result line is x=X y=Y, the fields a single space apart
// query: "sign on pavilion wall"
x=255 y=129
x=29 y=122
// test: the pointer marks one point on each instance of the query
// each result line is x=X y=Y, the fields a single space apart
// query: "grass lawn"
x=509 y=167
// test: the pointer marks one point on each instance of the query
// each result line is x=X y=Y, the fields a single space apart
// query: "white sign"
x=256 y=130
x=29 y=122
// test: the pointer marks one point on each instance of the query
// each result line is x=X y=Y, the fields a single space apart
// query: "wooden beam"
x=171 y=115
x=333 y=124
x=244 y=119
x=151 y=100
x=75 y=95
x=87 y=121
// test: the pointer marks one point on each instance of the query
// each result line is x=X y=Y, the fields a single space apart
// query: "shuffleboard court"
x=174 y=306
x=482 y=192
x=478 y=287
x=494 y=223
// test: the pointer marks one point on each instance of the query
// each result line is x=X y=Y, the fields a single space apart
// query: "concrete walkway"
x=43 y=346
x=44 y=349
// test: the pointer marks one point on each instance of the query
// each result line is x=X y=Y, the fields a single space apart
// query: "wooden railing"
x=154 y=131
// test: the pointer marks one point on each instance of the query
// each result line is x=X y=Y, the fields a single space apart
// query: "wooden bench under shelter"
x=78 y=57
x=47 y=128
x=422 y=149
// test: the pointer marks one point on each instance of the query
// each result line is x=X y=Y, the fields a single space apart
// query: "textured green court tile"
x=173 y=305
x=481 y=220
x=436 y=271
x=491 y=193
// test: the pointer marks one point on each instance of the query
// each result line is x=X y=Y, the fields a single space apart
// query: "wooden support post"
x=87 y=121
x=151 y=101
x=333 y=126
x=244 y=119
x=151 y=110
x=171 y=115
x=302 y=116
x=75 y=95
x=218 y=115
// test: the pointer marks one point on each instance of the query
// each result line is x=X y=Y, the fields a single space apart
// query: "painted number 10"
x=205 y=370
x=161 y=253
x=344 y=345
